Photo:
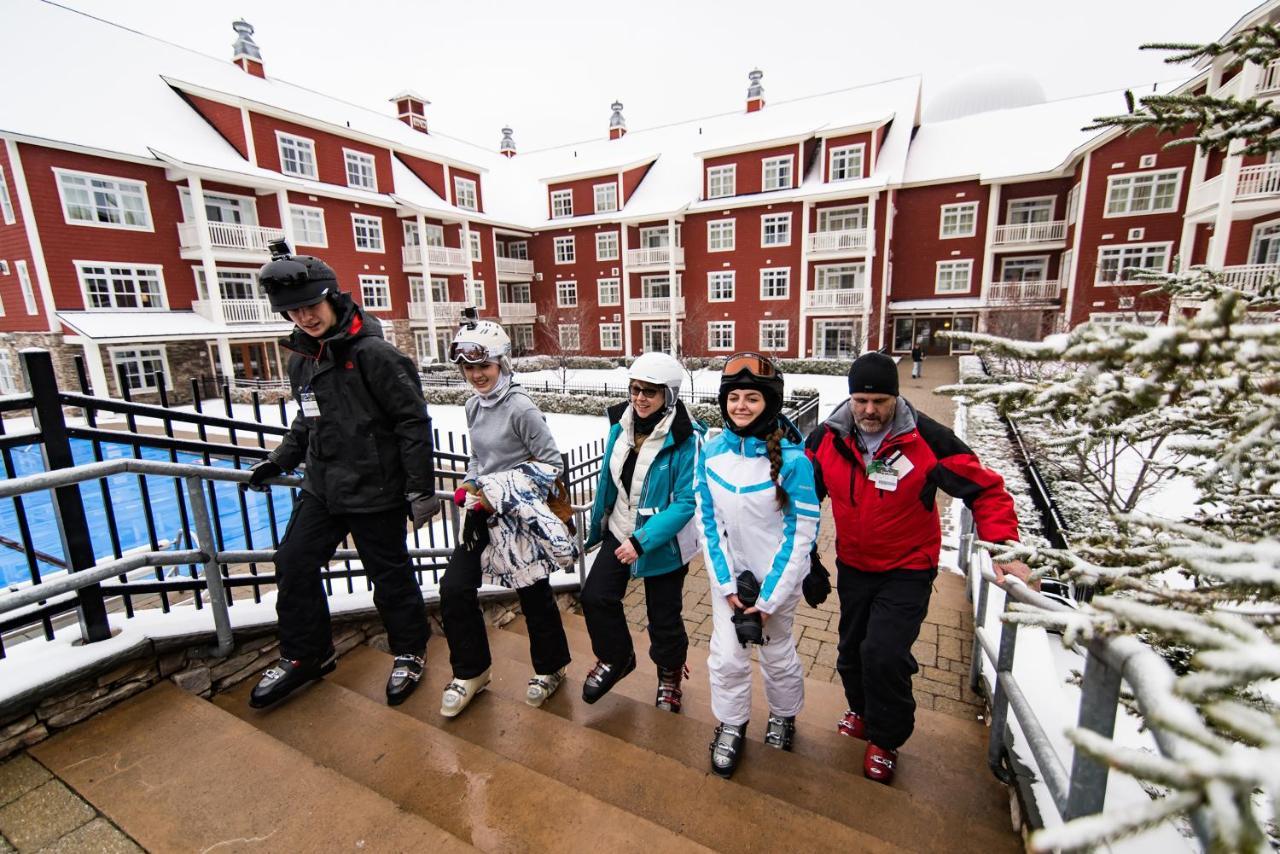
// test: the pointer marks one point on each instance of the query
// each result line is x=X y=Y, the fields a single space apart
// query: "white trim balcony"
x=442 y=258
x=517 y=312
x=658 y=256
x=1260 y=180
x=1018 y=293
x=835 y=300
x=854 y=240
x=1250 y=277
x=515 y=268
x=445 y=312
x=229 y=240
x=239 y=311
x=1030 y=232
x=653 y=307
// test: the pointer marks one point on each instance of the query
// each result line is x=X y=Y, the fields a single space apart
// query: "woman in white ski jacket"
x=759 y=516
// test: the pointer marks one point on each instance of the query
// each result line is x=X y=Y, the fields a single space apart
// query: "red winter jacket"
x=878 y=530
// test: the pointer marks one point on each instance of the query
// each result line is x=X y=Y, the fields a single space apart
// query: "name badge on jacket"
x=310 y=407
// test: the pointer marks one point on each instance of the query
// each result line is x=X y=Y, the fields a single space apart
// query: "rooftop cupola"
x=507 y=148
x=411 y=108
x=755 y=92
x=247 y=55
x=617 y=124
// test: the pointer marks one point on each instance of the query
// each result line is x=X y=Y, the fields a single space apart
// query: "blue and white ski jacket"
x=742 y=526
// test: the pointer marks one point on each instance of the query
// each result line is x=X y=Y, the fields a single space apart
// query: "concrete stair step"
x=177 y=773
x=804 y=782
x=622 y=771
x=945 y=754
x=475 y=794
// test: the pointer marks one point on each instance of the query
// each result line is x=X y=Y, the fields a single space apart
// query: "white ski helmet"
x=659 y=369
x=480 y=341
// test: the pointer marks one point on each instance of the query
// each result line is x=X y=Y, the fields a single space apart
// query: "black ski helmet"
x=294 y=281
x=756 y=372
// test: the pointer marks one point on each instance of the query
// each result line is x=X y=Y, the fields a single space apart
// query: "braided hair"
x=773 y=444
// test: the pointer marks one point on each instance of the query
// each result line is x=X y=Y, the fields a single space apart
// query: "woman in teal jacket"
x=643 y=521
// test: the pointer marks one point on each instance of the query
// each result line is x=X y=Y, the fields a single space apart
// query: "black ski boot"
x=603 y=677
x=288 y=675
x=780 y=732
x=669 y=693
x=726 y=749
x=406 y=672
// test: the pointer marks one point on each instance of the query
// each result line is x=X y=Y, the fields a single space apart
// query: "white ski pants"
x=730 y=665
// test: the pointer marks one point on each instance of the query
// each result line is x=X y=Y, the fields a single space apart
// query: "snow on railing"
x=850 y=240
x=439 y=256
x=1260 y=180
x=517 y=310
x=1030 y=232
x=852 y=299
x=1018 y=292
x=654 y=256
x=1250 y=277
x=651 y=306
x=515 y=266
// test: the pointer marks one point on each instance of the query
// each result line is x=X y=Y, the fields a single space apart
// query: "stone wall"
x=64 y=365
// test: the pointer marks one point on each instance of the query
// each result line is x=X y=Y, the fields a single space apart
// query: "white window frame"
x=6 y=203
x=473 y=237
x=569 y=336
x=8 y=380
x=774 y=324
x=726 y=177
x=845 y=152
x=373 y=226
x=567 y=293
x=952 y=217
x=118 y=357
x=563 y=242
x=28 y=290
x=722 y=285
x=366 y=169
x=607 y=246
x=605 y=284
x=466 y=193
x=610 y=199
x=825 y=272
x=1073 y=204
x=716 y=326
x=300 y=145
x=122 y=187
x=475 y=289
x=158 y=271
x=375 y=292
x=768 y=273
x=722 y=235
x=4 y=267
x=561 y=204
x=1050 y=202
x=434 y=235
x=614 y=333
x=766 y=220
x=951 y=268
x=227 y=276
x=518 y=250
x=299 y=215
x=1146 y=250
x=1259 y=232
x=781 y=166
x=857 y=212
x=1129 y=180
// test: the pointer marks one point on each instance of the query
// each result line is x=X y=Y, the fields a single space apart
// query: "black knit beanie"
x=873 y=373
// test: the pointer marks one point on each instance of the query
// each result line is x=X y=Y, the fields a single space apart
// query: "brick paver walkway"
x=943 y=650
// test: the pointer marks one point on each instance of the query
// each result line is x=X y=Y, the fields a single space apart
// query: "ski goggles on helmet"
x=468 y=352
x=753 y=363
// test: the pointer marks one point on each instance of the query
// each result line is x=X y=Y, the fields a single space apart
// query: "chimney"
x=755 y=92
x=247 y=55
x=411 y=109
x=617 y=124
x=507 y=148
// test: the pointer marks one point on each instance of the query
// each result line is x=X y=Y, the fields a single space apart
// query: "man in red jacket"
x=882 y=464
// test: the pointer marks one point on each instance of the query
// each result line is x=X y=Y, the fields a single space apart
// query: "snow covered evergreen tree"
x=1122 y=408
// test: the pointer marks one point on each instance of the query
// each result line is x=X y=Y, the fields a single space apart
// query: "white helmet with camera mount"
x=479 y=341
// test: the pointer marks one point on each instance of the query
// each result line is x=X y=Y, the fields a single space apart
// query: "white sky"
x=550 y=69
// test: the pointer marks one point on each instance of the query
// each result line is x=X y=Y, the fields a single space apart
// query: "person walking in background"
x=759 y=516
x=917 y=360
x=642 y=518
x=508 y=434
x=881 y=463
x=365 y=435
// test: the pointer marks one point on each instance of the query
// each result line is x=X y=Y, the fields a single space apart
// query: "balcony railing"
x=1250 y=277
x=239 y=311
x=1261 y=180
x=655 y=256
x=515 y=266
x=1269 y=80
x=1022 y=292
x=1030 y=232
x=440 y=256
x=229 y=235
x=517 y=310
x=445 y=312
x=654 y=306
x=852 y=240
x=847 y=299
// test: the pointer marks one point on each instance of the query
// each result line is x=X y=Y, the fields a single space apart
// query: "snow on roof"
x=106 y=326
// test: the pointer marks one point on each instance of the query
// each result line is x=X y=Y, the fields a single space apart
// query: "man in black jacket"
x=364 y=433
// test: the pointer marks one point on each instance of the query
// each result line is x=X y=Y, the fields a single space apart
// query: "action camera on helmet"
x=749 y=627
x=295 y=281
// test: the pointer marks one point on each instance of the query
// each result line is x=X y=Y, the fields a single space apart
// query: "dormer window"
x=606 y=197
x=464 y=193
x=777 y=173
x=297 y=155
x=361 y=172
x=846 y=162
x=721 y=181
x=561 y=203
